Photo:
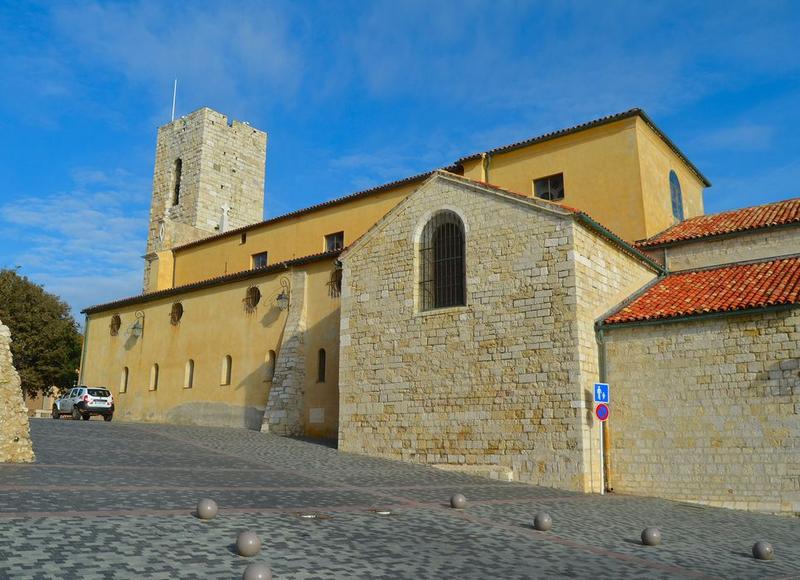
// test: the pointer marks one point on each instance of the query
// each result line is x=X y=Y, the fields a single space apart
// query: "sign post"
x=602 y=397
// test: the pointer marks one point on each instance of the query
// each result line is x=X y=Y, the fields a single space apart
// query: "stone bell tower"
x=209 y=178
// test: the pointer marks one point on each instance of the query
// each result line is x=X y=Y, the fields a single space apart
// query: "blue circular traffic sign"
x=601 y=411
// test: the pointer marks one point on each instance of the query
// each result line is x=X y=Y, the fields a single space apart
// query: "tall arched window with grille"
x=442 y=263
x=676 y=196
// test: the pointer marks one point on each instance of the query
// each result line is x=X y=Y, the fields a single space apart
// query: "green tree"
x=46 y=344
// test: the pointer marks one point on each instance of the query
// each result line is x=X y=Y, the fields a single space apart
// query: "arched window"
x=676 y=196
x=154 y=377
x=225 y=374
x=116 y=322
x=123 y=381
x=321 y=365
x=188 y=375
x=176 y=191
x=251 y=298
x=270 y=364
x=442 y=262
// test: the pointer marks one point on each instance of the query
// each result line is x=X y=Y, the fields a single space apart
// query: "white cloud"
x=84 y=244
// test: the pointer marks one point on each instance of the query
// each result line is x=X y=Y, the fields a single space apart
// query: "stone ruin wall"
x=15 y=439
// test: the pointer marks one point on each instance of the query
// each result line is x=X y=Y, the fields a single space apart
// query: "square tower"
x=208 y=178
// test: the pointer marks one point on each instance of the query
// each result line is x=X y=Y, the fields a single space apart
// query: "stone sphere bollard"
x=542 y=522
x=651 y=536
x=248 y=544
x=763 y=551
x=458 y=501
x=206 y=509
x=257 y=571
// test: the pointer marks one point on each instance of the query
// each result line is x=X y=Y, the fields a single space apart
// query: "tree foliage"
x=46 y=344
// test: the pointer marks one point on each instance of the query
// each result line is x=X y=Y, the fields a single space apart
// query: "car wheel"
x=85 y=416
x=55 y=414
x=107 y=418
x=75 y=414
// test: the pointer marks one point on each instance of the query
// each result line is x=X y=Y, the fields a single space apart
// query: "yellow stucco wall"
x=214 y=324
x=600 y=167
x=656 y=161
x=617 y=173
x=293 y=237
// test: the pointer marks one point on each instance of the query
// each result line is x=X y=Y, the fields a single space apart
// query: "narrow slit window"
x=176 y=191
x=270 y=362
x=188 y=377
x=154 y=377
x=321 y=362
x=225 y=374
x=123 y=380
x=676 y=196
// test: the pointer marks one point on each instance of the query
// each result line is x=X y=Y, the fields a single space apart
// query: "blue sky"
x=354 y=94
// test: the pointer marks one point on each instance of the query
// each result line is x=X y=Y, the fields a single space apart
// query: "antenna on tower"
x=174 y=92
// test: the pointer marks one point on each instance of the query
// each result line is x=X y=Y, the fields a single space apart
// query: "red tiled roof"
x=723 y=289
x=727 y=222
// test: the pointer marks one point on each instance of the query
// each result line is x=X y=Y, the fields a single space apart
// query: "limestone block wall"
x=494 y=383
x=708 y=410
x=604 y=277
x=222 y=165
x=15 y=440
x=756 y=245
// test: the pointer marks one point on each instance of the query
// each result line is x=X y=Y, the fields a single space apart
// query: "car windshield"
x=99 y=393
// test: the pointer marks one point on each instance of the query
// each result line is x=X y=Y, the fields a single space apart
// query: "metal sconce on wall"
x=137 y=328
x=282 y=299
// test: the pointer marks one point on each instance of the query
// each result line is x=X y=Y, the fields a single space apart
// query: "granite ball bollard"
x=651 y=536
x=257 y=571
x=763 y=551
x=248 y=544
x=542 y=522
x=206 y=509
x=458 y=501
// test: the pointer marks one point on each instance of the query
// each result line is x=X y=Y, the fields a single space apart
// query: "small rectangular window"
x=260 y=260
x=243 y=238
x=550 y=188
x=334 y=242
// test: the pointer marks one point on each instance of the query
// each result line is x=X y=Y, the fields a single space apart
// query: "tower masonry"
x=208 y=178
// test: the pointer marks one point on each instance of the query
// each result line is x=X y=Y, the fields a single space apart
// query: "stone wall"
x=604 y=277
x=708 y=410
x=494 y=385
x=755 y=245
x=15 y=440
x=284 y=412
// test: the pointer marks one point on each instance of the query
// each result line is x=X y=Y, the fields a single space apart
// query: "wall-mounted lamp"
x=137 y=328
x=282 y=299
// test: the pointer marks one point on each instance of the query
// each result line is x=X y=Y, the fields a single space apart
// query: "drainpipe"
x=83 y=347
x=485 y=160
x=604 y=427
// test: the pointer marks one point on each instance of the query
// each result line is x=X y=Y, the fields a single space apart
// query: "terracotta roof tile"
x=727 y=222
x=722 y=289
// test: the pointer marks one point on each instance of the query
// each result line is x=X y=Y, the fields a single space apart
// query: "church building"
x=461 y=317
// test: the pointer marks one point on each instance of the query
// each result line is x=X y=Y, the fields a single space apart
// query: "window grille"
x=116 y=322
x=176 y=313
x=251 y=298
x=550 y=188
x=442 y=262
x=676 y=196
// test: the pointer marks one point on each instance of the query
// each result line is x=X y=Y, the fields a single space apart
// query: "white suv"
x=83 y=402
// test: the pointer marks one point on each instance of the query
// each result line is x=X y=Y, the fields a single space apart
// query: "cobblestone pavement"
x=115 y=500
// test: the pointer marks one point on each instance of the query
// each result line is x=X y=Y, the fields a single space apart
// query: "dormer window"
x=550 y=188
